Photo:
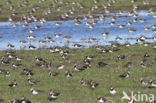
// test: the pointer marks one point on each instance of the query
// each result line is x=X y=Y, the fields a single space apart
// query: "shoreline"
x=80 y=16
x=95 y=46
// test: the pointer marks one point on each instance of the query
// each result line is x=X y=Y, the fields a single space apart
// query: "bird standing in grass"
x=13 y=84
x=34 y=92
x=112 y=91
x=101 y=99
x=53 y=95
x=102 y=64
x=125 y=75
x=93 y=84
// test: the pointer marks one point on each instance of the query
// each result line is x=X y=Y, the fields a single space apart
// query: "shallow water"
x=13 y=35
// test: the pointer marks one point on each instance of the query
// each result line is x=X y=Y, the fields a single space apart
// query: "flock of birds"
x=41 y=62
x=11 y=58
x=49 y=41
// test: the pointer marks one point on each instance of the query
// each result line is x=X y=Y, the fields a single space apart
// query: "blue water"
x=13 y=35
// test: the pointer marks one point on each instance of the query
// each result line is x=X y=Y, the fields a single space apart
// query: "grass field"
x=87 y=4
x=70 y=88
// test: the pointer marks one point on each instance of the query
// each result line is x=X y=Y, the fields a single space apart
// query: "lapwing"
x=76 y=45
x=86 y=66
x=93 y=84
x=7 y=74
x=23 y=41
x=142 y=20
x=11 y=56
x=57 y=23
x=29 y=73
x=101 y=99
x=36 y=26
x=143 y=64
x=121 y=57
x=53 y=73
x=83 y=82
x=131 y=30
x=13 y=84
x=34 y=92
x=10 y=46
x=146 y=55
x=31 y=81
x=102 y=64
x=86 y=61
x=24 y=100
x=104 y=33
x=112 y=91
x=30 y=36
x=118 y=38
x=30 y=31
x=128 y=23
x=38 y=59
x=89 y=57
x=153 y=83
x=142 y=81
x=5 y=60
x=68 y=74
x=18 y=58
x=125 y=75
x=121 y=26
x=15 y=101
x=76 y=68
x=31 y=47
x=146 y=28
x=128 y=64
x=151 y=100
x=16 y=65
x=47 y=38
x=111 y=23
x=53 y=95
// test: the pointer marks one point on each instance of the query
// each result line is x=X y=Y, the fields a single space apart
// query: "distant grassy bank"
x=5 y=11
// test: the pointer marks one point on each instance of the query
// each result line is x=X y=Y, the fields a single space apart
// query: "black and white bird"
x=38 y=59
x=68 y=74
x=101 y=99
x=31 y=81
x=13 y=84
x=34 y=92
x=89 y=57
x=53 y=95
x=112 y=91
x=142 y=81
x=78 y=69
x=24 y=100
x=86 y=61
x=53 y=73
x=14 y=101
x=7 y=74
x=125 y=75
x=16 y=65
x=102 y=64
x=152 y=83
x=93 y=84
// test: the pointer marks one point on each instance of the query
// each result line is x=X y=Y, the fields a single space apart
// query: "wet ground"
x=14 y=35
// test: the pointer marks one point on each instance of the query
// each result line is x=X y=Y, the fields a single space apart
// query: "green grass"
x=87 y=4
x=70 y=88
